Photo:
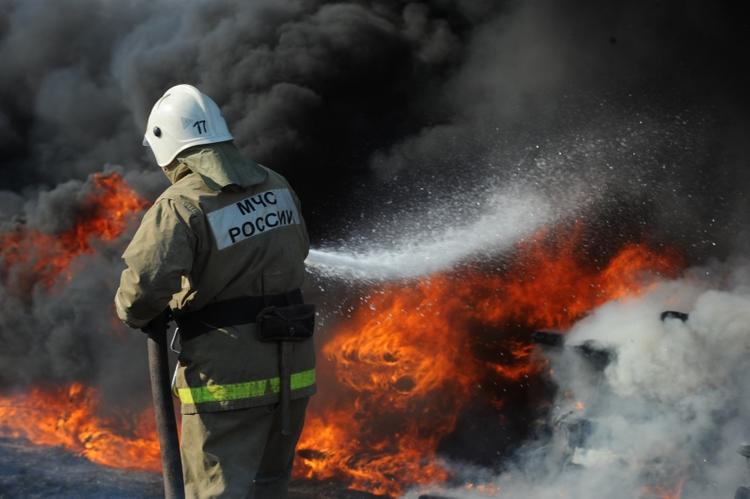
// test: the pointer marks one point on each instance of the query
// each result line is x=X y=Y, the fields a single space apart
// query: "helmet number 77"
x=199 y=124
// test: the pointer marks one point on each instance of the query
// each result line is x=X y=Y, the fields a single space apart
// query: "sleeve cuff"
x=123 y=315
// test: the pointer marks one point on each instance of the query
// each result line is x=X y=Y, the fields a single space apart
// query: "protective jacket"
x=226 y=228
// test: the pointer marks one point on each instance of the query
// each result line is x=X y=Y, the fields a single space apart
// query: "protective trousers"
x=240 y=453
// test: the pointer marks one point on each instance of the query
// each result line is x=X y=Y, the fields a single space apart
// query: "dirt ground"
x=29 y=471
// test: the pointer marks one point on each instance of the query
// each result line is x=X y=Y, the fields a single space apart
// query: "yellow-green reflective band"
x=239 y=391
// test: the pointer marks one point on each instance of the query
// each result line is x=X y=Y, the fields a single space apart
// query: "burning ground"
x=402 y=370
x=415 y=357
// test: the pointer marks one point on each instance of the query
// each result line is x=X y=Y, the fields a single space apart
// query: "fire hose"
x=158 y=367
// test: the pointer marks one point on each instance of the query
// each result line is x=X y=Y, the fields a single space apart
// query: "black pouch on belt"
x=288 y=323
x=284 y=325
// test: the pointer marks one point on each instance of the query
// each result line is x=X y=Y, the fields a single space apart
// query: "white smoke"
x=667 y=414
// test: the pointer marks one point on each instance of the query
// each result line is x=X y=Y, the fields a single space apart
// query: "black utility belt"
x=282 y=317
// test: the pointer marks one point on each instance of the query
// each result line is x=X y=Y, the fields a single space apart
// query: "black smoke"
x=370 y=108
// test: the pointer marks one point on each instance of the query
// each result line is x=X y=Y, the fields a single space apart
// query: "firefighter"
x=224 y=244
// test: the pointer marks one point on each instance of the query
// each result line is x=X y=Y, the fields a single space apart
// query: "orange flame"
x=40 y=257
x=395 y=377
x=405 y=366
x=550 y=287
x=67 y=417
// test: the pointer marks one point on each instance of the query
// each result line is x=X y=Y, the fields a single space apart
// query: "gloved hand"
x=158 y=324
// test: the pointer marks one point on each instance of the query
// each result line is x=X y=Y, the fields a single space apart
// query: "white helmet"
x=183 y=117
